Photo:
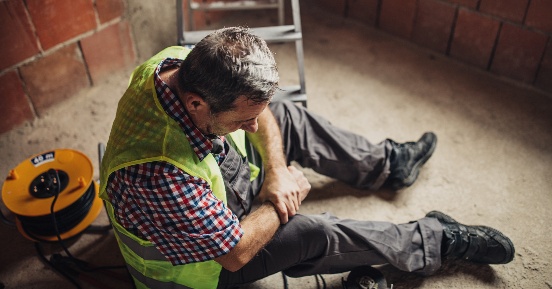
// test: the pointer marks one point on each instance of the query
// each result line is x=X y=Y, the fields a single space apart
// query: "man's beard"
x=213 y=128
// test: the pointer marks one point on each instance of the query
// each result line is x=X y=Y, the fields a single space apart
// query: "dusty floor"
x=493 y=163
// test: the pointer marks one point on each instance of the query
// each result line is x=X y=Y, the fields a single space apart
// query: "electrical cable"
x=322 y=279
x=284 y=277
x=57 y=261
x=67 y=218
x=6 y=220
x=316 y=276
x=54 y=217
x=48 y=262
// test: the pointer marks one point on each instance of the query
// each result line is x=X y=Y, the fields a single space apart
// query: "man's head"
x=228 y=64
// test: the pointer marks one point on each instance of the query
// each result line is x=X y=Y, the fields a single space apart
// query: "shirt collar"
x=174 y=107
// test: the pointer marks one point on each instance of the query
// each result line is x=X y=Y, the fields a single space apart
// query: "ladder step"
x=283 y=33
x=235 y=5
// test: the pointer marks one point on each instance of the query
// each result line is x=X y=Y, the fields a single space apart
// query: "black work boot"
x=479 y=244
x=406 y=159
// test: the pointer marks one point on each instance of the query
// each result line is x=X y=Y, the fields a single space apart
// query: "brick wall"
x=510 y=38
x=52 y=49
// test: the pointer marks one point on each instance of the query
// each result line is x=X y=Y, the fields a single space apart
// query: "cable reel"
x=54 y=185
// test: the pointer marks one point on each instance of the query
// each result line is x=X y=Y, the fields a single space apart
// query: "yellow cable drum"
x=52 y=194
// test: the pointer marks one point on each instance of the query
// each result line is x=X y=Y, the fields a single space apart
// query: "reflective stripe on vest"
x=152 y=270
x=149 y=253
x=142 y=282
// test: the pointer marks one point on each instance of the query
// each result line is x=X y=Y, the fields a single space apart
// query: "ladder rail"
x=191 y=23
x=281 y=12
x=296 y=14
x=179 y=23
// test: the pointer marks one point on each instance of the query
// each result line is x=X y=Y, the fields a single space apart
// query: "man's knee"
x=311 y=229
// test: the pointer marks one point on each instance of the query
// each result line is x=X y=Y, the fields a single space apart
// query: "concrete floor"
x=492 y=166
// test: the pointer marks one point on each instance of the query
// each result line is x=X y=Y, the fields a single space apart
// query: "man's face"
x=243 y=116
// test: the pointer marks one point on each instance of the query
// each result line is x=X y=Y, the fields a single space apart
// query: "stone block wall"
x=510 y=38
x=52 y=49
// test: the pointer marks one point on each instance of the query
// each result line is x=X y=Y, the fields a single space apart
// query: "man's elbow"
x=233 y=267
x=232 y=263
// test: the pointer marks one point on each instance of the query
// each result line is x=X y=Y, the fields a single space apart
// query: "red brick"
x=108 y=51
x=201 y=19
x=544 y=77
x=17 y=41
x=434 y=24
x=465 y=3
x=397 y=17
x=474 y=38
x=364 y=11
x=539 y=15
x=518 y=53
x=15 y=108
x=55 y=77
x=59 y=20
x=508 y=9
x=109 y=9
x=212 y=16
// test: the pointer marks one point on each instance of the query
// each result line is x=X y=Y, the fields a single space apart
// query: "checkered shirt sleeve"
x=177 y=212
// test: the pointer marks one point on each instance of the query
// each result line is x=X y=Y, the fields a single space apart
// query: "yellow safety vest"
x=143 y=132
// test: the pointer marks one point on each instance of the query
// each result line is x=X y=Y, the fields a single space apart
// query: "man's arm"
x=283 y=190
x=280 y=186
x=259 y=227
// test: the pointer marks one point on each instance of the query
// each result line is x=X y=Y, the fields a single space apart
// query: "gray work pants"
x=325 y=244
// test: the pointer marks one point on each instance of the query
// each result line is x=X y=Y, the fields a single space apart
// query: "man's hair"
x=227 y=64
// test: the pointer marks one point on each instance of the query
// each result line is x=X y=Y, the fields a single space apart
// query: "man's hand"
x=284 y=186
x=286 y=189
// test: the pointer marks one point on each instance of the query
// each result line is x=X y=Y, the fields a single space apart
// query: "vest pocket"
x=236 y=174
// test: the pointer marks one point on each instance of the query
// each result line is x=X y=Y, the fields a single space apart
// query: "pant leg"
x=324 y=244
x=314 y=142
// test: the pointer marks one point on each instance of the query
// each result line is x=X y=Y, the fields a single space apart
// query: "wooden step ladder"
x=271 y=34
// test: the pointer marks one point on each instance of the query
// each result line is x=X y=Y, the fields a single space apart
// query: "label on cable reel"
x=43 y=158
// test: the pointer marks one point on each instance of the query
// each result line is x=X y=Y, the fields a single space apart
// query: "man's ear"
x=195 y=104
